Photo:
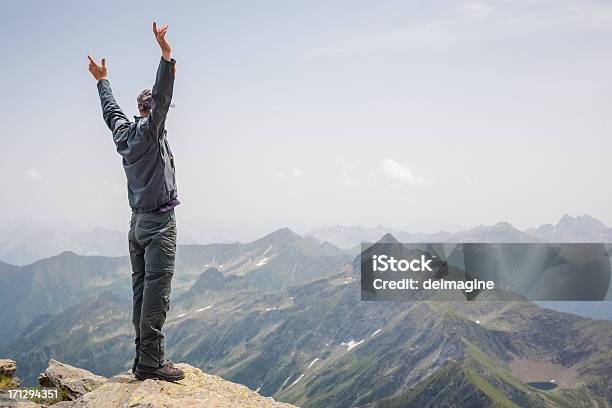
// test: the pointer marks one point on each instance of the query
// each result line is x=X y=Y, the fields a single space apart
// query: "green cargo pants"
x=152 y=243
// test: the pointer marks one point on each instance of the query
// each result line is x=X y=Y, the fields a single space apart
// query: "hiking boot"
x=167 y=372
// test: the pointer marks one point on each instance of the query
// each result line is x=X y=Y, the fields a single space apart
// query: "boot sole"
x=155 y=376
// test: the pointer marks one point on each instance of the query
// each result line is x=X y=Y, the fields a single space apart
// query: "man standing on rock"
x=149 y=167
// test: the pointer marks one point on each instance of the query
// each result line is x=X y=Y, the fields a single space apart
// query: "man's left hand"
x=98 y=71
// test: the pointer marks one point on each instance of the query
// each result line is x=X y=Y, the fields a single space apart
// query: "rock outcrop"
x=7 y=374
x=196 y=390
x=7 y=367
x=83 y=389
x=8 y=381
x=71 y=381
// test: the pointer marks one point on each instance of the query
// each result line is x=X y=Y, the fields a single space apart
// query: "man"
x=152 y=194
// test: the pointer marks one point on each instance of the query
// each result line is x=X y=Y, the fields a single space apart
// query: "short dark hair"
x=144 y=100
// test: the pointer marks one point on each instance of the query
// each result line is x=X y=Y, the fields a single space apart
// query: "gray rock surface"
x=198 y=389
x=8 y=381
x=74 y=381
x=7 y=374
x=7 y=367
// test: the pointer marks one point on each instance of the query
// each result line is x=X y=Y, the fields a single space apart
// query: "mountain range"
x=316 y=344
x=583 y=228
x=282 y=315
x=22 y=246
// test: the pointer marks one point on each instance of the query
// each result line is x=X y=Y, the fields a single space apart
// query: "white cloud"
x=294 y=172
x=33 y=174
x=400 y=174
x=471 y=181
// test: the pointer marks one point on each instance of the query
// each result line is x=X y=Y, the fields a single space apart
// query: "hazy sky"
x=413 y=114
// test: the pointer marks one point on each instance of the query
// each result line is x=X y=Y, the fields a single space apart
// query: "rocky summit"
x=198 y=389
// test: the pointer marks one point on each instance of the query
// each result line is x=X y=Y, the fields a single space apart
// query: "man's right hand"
x=160 y=36
x=98 y=71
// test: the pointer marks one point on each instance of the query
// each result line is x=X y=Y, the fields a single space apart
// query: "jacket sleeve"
x=161 y=98
x=114 y=117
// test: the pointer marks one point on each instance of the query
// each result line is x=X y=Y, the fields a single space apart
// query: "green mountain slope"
x=452 y=385
x=52 y=285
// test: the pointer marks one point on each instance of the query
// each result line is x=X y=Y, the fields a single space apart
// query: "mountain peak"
x=503 y=225
x=280 y=236
x=500 y=232
x=198 y=389
x=210 y=279
x=585 y=219
x=582 y=228
x=388 y=238
x=61 y=257
x=67 y=254
x=283 y=232
x=566 y=218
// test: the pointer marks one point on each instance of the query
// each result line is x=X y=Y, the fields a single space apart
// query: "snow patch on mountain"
x=351 y=344
x=313 y=362
x=296 y=381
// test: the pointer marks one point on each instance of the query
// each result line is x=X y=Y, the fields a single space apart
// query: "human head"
x=144 y=103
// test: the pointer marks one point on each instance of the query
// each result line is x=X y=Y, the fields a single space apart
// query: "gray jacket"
x=147 y=159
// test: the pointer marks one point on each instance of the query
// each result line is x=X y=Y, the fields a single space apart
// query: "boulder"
x=8 y=380
x=198 y=389
x=74 y=382
x=7 y=367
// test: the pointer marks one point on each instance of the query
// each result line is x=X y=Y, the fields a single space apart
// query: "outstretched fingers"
x=161 y=31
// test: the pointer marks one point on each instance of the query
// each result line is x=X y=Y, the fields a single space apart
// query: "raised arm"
x=164 y=85
x=111 y=112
